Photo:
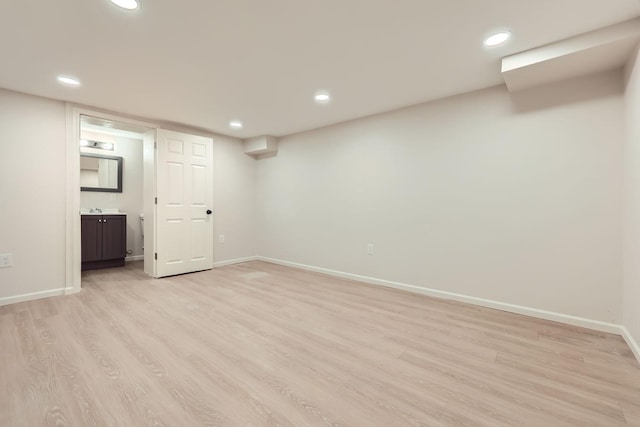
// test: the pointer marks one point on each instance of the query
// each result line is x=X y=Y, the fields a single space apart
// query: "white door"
x=184 y=187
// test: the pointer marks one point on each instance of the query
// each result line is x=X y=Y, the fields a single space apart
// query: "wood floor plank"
x=258 y=344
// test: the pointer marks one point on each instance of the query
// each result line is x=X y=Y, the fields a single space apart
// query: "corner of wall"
x=630 y=65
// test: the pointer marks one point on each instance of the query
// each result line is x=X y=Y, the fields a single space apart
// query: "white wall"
x=234 y=199
x=516 y=200
x=32 y=193
x=130 y=200
x=631 y=287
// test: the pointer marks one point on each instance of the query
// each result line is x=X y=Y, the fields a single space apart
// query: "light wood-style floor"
x=258 y=344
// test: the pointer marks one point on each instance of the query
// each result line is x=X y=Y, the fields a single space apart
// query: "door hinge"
x=155 y=256
x=155 y=145
x=156 y=200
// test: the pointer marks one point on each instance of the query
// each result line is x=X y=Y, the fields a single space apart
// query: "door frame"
x=73 y=258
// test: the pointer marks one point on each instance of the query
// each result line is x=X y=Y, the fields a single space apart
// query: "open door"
x=179 y=235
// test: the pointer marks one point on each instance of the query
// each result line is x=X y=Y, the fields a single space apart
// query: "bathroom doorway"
x=105 y=159
x=111 y=193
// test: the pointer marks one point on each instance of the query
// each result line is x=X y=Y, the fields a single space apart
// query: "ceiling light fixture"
x=235 y=124
x=68 y=81
x=127 y=4
x=497 y=39
x=322 y=97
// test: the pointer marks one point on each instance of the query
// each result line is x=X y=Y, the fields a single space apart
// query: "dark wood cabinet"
x=104 y=241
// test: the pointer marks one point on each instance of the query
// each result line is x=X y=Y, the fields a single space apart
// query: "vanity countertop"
x=105 y=212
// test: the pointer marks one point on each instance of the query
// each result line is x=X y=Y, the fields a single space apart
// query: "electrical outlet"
x=370 y=249
x=6 y=260
x=221 y=238
x=113 y=197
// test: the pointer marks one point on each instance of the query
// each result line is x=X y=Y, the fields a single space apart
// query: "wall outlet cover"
x=6 y=260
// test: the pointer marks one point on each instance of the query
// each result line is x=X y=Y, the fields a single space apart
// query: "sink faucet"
x=98 y=210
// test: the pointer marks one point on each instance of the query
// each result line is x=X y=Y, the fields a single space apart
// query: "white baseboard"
x=134 y=258
x=512 y=308
x=32 y=296
x=234 y=261
x=632 y=343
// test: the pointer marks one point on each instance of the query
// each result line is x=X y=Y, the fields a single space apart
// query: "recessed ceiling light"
x=497 y=39
x=126 y=4
x=235 y=124
x=69 y=81
x=322 y=96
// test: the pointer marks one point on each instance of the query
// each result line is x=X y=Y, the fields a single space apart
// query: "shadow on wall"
x=571 y=91
x=267 y=156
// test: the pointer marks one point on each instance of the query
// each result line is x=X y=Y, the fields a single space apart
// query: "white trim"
x=30 y=297
x=72 y=217
x=631 y=342
x=512 y=308
x=235 y=261
x=134 y=258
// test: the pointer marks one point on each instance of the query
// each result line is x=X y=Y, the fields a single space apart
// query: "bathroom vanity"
x=104 y=240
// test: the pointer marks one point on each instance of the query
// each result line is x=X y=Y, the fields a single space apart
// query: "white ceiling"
x=205 y=62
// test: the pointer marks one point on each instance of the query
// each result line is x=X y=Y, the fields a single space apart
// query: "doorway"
x=103 y=129
x=111 y=193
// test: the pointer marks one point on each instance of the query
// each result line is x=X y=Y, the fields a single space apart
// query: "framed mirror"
x=100 y=173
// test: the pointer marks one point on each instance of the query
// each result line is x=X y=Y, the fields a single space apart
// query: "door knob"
x=209 y=211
